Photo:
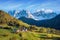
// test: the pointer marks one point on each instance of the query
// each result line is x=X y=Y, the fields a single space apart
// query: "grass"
x=7 y=35
x=39 y=36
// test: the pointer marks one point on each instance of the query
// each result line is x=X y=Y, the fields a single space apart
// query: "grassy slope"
x=7 y=35
x=5 y=19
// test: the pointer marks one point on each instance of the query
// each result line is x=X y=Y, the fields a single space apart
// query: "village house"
x=24 y=29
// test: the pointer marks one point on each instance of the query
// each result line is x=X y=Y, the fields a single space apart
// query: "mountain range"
x=40 y=15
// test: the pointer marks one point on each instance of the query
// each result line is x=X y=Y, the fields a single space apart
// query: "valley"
x=14 y=29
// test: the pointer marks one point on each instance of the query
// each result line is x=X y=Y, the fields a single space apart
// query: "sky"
x=31 y=5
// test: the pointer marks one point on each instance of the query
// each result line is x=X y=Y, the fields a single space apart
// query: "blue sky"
x=31 y=5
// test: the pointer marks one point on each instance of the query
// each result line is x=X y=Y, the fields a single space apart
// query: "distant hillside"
x=6 y=19
x=52 y=23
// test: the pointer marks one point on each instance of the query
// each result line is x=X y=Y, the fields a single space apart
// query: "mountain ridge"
x=52 y=23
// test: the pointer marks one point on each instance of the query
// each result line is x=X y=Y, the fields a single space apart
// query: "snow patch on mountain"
x=45 y=10
x=30 y=15
x=48 y=11
x=16 y=12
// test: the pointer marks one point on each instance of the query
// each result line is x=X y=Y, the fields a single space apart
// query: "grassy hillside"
x=7 y=20
x=13 y=29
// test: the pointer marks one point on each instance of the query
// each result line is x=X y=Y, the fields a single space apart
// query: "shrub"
x=13 y=38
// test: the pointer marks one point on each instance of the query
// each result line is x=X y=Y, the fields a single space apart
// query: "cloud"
x=40 y=10
x=30 y=6
x=48 y=11
x=45 y=10
x=14 y=6
x=10 y=5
